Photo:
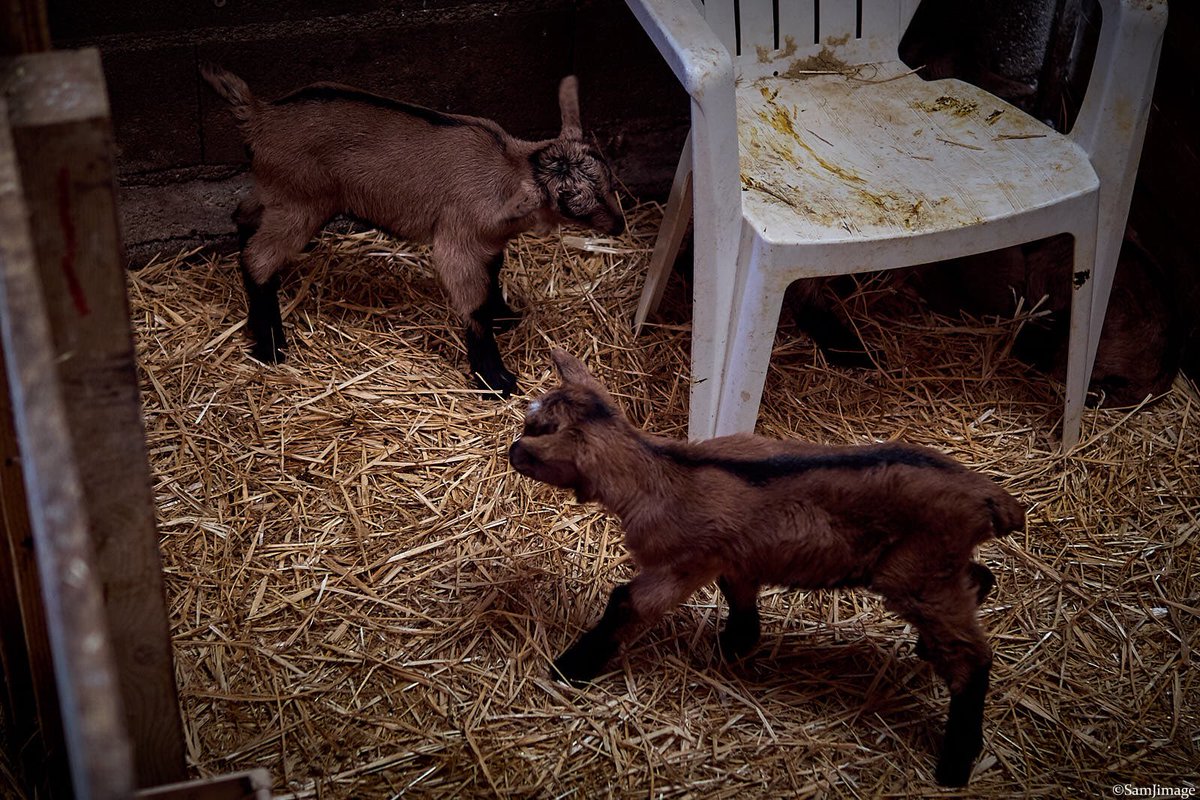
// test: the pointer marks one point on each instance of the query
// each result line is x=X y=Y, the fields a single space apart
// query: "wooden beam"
x=98 y=750
x=31 y=712
x=63 y=139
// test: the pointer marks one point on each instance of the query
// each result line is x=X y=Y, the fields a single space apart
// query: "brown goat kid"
x=458 y=182
x=747 y=511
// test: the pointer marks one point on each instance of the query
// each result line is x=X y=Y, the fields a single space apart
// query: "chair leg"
x=674 y=225
x=1079 y=354
x=749 y=352
x=709 y=335
x=717 y=204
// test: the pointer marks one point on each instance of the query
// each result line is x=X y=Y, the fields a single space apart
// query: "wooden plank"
x=97 y=748
x=32 y=712
x=254 y=784
x=63 y=139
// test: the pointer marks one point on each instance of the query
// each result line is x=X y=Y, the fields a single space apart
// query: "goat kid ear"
x=570 y=368
x=568 y=104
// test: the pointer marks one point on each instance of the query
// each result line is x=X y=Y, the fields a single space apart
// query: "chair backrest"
x=1123 y=70
x=747 y=27
x=1111 y=125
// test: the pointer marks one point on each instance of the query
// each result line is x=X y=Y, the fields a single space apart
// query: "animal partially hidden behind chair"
x=815 y=306
x=1140 y=346
x=459 y=182
x=1142 y=340
x=747 y=511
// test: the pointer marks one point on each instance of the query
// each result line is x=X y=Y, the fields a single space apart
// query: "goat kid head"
x=575 y=177
x=566 y=429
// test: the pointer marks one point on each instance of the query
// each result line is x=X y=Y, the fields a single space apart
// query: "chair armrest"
x=685 y=40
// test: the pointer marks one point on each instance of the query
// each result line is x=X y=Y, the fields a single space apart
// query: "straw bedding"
x=365 y=599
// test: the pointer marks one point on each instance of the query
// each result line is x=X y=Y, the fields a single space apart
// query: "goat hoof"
x=960 y=748
x=268 y=355
x=954 y=772
x=574 y=667
x=736 y=644
x=501 y=381
x=585 y=659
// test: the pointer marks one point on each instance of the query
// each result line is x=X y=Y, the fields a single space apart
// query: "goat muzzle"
x=519 y=458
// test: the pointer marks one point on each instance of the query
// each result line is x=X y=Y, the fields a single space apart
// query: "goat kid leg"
x=248 y=218
x=264 y=318
x=464 y=275
x=983 y=579
x=281 y=233
x=631 y=607
x=958 y=650
x=982 y=582
x=964 y=730
x=504 y=317
x=742 y=629
x=484 y=356
x=586 y=658
x=817 y=313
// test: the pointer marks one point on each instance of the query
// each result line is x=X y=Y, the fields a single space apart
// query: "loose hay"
x=365 y=600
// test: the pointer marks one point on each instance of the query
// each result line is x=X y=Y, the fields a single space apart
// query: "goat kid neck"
x=638 y=485
x=531 y=207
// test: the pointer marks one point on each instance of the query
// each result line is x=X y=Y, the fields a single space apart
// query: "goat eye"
x=537 y=429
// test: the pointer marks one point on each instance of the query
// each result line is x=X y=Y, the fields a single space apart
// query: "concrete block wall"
x=181 y=162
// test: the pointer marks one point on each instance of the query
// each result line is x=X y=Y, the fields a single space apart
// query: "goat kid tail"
x=234 y=91
x=1008 y=516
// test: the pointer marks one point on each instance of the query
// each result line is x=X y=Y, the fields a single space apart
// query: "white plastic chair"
x=831 y=158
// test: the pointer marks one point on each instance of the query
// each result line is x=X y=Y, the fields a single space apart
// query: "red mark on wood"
x=70 y=243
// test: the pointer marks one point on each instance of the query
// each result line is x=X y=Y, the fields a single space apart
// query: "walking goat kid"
x=749 y=511
x=459 y=182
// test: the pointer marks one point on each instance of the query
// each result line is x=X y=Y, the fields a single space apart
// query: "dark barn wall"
x=1166 y=202
x=181 y=161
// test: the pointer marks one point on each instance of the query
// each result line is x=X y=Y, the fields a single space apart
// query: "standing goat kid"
x=748 y=511
x=459 y=182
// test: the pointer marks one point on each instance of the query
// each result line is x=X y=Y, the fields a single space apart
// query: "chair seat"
x=877 y=153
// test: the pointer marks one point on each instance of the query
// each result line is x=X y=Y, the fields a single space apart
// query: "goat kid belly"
x=803 y=565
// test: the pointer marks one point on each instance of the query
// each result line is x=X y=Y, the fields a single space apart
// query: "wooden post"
x=63 y=140
x=97 y=748
x=24 y=648
x=31 y=706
